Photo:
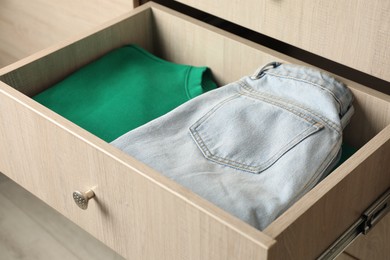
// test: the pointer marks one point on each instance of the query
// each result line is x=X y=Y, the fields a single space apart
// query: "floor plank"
x=75 y=240
x=21 y=238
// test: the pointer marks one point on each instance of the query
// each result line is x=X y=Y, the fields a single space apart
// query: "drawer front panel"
x=335 y=203
x=133 y=213
x=350 y=32
x=374 y=245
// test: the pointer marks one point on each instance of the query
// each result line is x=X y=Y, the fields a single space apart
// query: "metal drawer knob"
x=82 y=198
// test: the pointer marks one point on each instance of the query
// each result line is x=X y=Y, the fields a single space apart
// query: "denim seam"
x=284 y=107
x=313 y=128
x=216 y=107
x=266 y=97
x=328 y=160
x=309 y=82
x=316 y=176
x=251 y=168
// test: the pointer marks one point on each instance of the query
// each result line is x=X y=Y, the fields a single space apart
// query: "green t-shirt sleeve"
x=199 y=80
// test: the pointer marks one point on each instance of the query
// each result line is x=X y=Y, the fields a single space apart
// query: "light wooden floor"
x=29 y=229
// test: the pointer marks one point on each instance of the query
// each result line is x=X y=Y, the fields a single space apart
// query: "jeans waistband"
x=317 y=78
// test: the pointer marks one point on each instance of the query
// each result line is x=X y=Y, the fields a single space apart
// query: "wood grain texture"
x=350 y=32
x=374 y=245
x=138 y=213
x=75 y=56
x=141 y=213
x=231 y=57
x=28 y=246
x=30 y=26
x=41 y=233
x=372 y=114
x=335 y=203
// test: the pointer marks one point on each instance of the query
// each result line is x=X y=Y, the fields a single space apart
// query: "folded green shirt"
x=124 y=89
x=347 y=151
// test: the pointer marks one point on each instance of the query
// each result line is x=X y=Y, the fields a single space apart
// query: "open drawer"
x=137 y=211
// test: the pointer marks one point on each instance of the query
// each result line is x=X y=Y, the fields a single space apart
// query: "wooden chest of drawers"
x=137 y=211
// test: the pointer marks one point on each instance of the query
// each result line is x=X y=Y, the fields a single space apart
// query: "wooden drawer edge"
x=335 y=203
x=61 y=127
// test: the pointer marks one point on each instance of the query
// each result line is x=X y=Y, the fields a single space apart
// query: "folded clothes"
x=252 y=147
x=347 y=151
x=124 y=89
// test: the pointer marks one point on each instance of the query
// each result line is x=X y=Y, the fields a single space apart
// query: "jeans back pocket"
x=251 y=133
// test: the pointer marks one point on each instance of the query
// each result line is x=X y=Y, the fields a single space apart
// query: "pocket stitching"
x=281 y=103
x=311 y=129
x=254 y=169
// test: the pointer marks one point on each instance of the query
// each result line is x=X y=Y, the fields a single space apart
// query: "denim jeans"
x=252 y=147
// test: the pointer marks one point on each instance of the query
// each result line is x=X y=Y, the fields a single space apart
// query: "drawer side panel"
x=374 y=245
x=322 y=215
x=40 y=71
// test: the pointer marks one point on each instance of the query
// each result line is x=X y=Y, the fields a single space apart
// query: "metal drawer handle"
x=82 y=198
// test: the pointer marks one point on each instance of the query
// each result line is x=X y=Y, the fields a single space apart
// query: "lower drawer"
x=374 y=245
x=137 y=211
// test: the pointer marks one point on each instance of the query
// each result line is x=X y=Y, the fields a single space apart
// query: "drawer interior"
x=186 y=41
x=180 y=39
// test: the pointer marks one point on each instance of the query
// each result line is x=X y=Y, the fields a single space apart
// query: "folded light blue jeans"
x=252 y=147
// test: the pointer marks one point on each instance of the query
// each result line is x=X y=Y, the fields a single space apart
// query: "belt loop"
x=260 y=72
x=347 y=117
